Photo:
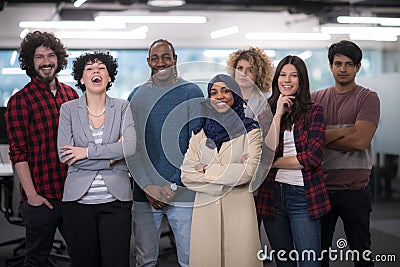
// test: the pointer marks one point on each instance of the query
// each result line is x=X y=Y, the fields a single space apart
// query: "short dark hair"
x=346 y=48
x=303 y=96
x=163 y=41
x=35 y=39
x=81 y=61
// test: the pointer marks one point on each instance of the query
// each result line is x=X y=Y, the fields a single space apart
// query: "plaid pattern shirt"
x=310 y=149
x=32 y=124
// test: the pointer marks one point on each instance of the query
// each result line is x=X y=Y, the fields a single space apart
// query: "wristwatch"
x=173 y=187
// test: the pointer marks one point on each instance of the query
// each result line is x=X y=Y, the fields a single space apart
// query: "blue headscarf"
x=222 y=127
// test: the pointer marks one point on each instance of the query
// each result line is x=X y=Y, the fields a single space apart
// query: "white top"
x=293 y=177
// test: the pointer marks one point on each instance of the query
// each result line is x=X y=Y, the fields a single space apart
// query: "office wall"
x=133 y=69
x=387 y=86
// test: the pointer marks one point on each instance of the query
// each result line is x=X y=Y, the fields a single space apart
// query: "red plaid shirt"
x=310 y=149
x=32 y=125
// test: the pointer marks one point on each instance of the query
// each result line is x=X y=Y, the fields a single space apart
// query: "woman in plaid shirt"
x=293 y=197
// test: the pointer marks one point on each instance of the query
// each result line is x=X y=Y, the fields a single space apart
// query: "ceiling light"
x=374 y=37
x=71 y=25
x=384 y=21
x=221 y=53
x=96 y=35
x=13 y=57
x=166 y=3
x=361 y=30
x=278 y=36
x=78 y=3
x=152 y=19
x=138 y=33
x=23 y=33
x=12 y=71
x=305 y=55
x=224 y=32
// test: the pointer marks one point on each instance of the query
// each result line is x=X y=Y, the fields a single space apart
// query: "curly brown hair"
x=35 y=39
x=103 y=56
x=259 y=61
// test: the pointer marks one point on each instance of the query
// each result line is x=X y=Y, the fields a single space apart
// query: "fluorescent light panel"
x=12 y=71
x=78 y=3
x=166 y=3
x=152 y=19
x=23 y=33
x=96 y=35
x=361 y=30
x=224 y=32
x=278 y=36
x=221 y=53
x=138 y=33
x=71 y=25
x=373 y=37
x=384 y=21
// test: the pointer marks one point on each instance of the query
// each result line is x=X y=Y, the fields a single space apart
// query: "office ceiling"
x=256 y=15
x=323 y=9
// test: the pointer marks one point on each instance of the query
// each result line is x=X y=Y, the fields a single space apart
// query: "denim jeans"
x=354 y=208
x=292 y=229
x=147 y=230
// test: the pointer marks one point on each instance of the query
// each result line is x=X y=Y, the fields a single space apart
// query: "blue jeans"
x=147 y=230
x=292 y=229
x=41 y=224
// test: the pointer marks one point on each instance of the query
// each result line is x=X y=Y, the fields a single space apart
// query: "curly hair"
x=302 y=102
x=259 y=61
x=35 y=39
x=81 y=61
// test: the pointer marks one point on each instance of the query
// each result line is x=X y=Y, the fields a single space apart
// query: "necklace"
x=95 y=115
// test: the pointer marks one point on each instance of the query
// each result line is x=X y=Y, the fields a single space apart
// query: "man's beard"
x=48 y=77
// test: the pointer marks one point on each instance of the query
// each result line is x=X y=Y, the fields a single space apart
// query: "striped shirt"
x=98 y=191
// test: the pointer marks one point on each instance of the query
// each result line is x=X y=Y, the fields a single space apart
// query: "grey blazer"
x=74 y=129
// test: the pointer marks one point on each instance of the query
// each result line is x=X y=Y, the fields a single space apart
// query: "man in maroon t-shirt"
x=352 y=114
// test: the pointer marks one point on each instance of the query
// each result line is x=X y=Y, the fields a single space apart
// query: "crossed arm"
x=355 y=138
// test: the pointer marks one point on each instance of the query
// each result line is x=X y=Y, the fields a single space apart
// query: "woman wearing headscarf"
x=223 y=155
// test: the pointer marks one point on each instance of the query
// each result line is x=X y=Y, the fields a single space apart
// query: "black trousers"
x=99 y=234
x=354 y=208
x=41 y=224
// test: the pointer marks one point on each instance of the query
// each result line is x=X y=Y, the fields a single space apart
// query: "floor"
x=385 y=230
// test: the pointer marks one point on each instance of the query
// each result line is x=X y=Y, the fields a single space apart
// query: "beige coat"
x=224 y=224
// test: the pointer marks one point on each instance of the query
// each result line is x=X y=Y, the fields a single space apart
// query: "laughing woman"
x=95 y=132
x=219 y=165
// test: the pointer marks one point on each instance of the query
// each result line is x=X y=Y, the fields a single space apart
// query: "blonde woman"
x=253 y=71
